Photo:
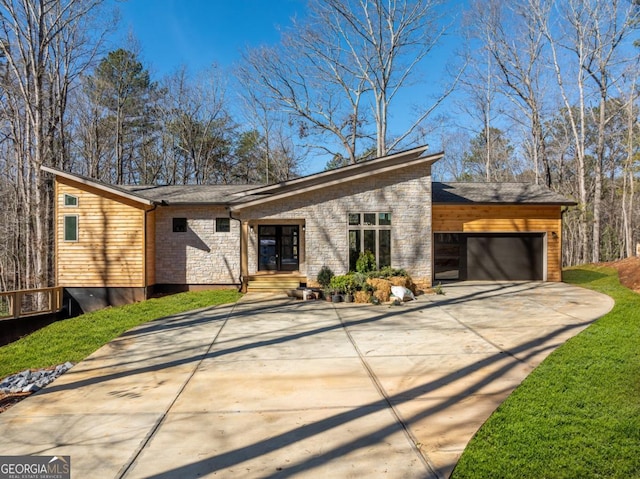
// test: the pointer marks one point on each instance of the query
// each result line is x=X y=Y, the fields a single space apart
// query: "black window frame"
x=180 y=225
x=223 y=225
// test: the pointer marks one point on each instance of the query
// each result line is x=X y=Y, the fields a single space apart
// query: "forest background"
x=541 y=91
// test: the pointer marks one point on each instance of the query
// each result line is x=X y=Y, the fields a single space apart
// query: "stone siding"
x=200 y=255
x=405 y=193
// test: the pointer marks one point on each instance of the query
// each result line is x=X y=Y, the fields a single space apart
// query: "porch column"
x=244 y=254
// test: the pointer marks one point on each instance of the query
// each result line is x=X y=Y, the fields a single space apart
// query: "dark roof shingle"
x=187 y=194
x=496 y=193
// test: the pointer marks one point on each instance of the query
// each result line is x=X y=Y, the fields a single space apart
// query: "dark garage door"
x=515 y=256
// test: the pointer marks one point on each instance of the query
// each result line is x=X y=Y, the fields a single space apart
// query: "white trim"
x=64 y=200
x=64 y=228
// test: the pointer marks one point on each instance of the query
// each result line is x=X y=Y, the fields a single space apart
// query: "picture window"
x=369 y=232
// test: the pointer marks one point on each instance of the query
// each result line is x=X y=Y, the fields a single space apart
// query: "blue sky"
x=199 y=33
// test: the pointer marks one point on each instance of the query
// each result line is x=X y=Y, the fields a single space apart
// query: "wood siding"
x=506 y=219
x=110 y=251
x=150 y=258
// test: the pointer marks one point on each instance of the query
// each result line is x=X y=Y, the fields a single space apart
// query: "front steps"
x=275 y=282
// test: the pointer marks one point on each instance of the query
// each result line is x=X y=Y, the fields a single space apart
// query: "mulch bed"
x=8 y=400
x=628 y=272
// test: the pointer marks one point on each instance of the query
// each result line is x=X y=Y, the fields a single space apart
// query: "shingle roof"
x=496 y=193
x=187 y=194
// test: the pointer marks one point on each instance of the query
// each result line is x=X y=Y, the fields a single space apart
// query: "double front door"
x=279 y=247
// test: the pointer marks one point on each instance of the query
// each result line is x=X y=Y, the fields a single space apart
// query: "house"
x=117 y=244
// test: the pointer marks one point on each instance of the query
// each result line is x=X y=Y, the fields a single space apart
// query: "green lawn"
x=578 y=414
x=75 y=338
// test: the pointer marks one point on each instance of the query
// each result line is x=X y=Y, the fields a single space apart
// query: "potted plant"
x=337 y=287
x=350 y=287
x=324 y=279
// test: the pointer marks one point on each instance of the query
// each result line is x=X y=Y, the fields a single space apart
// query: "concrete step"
x=275 y=283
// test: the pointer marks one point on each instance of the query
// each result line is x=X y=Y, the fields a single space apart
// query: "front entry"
x=279 y=247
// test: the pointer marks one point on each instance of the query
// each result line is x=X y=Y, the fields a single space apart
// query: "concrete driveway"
x=272 y=387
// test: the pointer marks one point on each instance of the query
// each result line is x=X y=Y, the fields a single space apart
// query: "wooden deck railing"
x=29 y=302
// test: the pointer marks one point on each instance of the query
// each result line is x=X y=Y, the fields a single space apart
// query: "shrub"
x=366 y=262
x=345 y=283
x=324 y=277
x=360 y=280
x=388 y=272
x=337 y=284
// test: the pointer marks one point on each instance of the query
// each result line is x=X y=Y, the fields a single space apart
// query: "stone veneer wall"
x=199 y=256
x=405 y=193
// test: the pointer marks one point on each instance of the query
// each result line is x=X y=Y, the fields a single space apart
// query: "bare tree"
x=346 y=65
x=197 y=129
x=607 y=24
x=628 y=177
x=386 y=41
x=516 y=46
x=280 y=159
x=45 y=45
x=592 y=33
x=309 y=78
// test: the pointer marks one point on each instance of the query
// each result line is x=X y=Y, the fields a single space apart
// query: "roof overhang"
x=98 y=185
x=504 y=203
x=386 y=164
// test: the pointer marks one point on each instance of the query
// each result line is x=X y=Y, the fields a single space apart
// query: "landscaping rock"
x=31 y=381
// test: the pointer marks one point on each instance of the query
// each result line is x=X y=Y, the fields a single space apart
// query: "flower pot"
x=348 y=298
x=336 y=298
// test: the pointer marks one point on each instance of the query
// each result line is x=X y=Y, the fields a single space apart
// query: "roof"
x=317 y=181
x=187 y=194
x=400 y=159
x=157 y=194
x=238 y=197
x=496 y=193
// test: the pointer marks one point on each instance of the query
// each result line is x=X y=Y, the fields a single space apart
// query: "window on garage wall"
x=370 y=232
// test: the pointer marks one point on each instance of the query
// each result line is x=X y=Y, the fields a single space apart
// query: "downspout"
x=240 y=276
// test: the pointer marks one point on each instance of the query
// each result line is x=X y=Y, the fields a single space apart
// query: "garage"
x=489 y=256
x=517 y=257
x=497 y=232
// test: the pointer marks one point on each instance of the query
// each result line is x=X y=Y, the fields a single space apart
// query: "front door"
x=279 y=247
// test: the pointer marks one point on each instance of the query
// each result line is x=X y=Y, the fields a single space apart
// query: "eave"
x=406 y=159
x=83 y=180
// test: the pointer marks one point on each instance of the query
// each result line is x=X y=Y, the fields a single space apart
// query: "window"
x=71 y=227
x=70 y=200
x=223 y=225
x=370 y=232
x=179 y=225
